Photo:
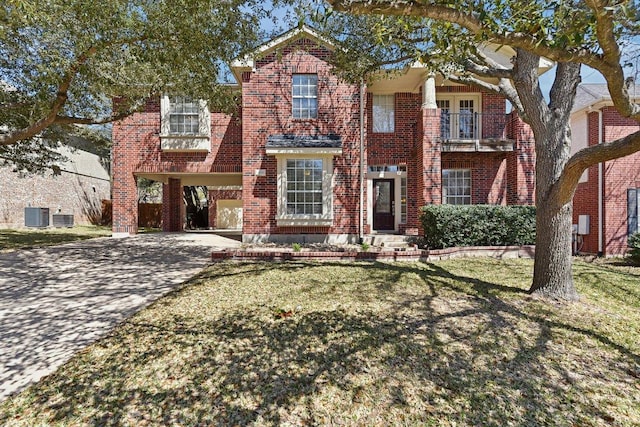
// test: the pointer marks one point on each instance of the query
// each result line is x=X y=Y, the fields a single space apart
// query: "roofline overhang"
x=598 y=104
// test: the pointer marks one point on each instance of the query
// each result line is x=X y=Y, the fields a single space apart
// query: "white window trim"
x=393 y=113
x=176 y=142
x=293 y=97
x=310 y=220
x=445 y=197
x=396 y=175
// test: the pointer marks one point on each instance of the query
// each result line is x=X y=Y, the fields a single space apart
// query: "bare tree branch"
x=487 y=71
x=68 y=120
x=567 y=75
x=610 y=66
x=590 y=156
x=525 y=78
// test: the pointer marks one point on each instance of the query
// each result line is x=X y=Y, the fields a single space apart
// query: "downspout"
x=361 y=219
x=600 y=189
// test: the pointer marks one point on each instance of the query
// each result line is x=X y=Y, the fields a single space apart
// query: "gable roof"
x=247 y=62
x=590 y=94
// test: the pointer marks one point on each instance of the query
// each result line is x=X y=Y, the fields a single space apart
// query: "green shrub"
x=634 y=247
x=297 y=247
x=448 y=226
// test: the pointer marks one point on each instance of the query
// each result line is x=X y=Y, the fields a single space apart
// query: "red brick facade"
x=136 y=151
x=239 y=148
x=617 y=177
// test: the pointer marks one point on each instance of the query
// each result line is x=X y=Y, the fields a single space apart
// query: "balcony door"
x=459 y=117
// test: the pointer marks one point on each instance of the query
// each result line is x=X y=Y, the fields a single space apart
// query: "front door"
x=383 y=204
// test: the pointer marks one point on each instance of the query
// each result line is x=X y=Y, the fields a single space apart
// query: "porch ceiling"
x=209 y=179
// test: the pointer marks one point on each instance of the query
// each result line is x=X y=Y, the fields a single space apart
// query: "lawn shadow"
x=464 y=344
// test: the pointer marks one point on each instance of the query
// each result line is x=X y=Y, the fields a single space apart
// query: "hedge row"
x=478 y=225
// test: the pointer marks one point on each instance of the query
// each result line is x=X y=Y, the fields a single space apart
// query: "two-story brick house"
x=607 y=201
x=309 y=157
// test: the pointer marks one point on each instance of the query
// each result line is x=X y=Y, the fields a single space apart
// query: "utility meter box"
x=583 y=224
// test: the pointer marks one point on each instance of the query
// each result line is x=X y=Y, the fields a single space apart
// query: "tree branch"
x=59 y=101
x=525 y=78
x=488 y=71
x=68 y=120
x=610 y=66
x=588 y=157
x=566 y=82
x=467 y=20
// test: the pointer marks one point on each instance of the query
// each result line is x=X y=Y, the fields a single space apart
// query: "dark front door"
x=383 y=204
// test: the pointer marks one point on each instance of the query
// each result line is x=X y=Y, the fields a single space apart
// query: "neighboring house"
x=607 y=199
x=77 y=188
x=309 y=157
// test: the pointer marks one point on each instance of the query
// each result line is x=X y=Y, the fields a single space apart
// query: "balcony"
x=471 y=132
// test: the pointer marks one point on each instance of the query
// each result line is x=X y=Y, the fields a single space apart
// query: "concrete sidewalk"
x=54 y=301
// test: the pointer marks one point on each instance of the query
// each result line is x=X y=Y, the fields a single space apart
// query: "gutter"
x=600 y=189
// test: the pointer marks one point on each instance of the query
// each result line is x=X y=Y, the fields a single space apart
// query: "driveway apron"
x=55 y=301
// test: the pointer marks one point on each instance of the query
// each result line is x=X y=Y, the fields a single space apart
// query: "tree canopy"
x=62 y=62
x=449 y=36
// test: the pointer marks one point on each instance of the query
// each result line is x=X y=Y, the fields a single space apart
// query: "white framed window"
x=305 y=190
x=456 y=186
x=185 y=124
x=304 y=187
x=305 y=96
x=383 y=113
x=184 y=116
x=459 y=116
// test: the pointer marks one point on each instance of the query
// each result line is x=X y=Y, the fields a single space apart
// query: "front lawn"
x=36 y=237
x=441 y=344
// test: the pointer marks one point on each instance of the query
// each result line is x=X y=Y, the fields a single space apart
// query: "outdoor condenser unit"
x=36 y=217
x=62 y=220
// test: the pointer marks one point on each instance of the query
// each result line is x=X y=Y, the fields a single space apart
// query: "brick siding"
x=618 y=176
x=266 y=109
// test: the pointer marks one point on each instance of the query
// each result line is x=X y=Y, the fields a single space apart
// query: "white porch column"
x=429 y=92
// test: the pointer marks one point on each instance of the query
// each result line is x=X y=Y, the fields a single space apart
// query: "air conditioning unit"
x=36 y=217
x=62 y=220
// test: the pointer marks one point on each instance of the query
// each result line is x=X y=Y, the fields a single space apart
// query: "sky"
x=589 y=75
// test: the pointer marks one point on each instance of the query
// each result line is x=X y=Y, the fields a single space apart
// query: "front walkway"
x=54 y=301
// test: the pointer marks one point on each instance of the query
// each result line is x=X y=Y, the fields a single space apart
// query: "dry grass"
x=11 y=239
x=442 y=344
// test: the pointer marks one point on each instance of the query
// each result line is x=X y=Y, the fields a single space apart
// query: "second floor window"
x=383 y=113
x=305 y=96
x=184 y=116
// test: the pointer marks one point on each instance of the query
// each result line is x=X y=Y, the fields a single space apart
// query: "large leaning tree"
x=571 y=33
x=63 y=61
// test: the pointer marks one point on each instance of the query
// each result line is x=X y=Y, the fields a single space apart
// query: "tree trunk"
x=552 y=274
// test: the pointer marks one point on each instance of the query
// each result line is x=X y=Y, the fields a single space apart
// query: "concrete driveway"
x=55 y=301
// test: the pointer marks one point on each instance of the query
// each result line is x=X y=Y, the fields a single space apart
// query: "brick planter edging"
x=405 y=255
